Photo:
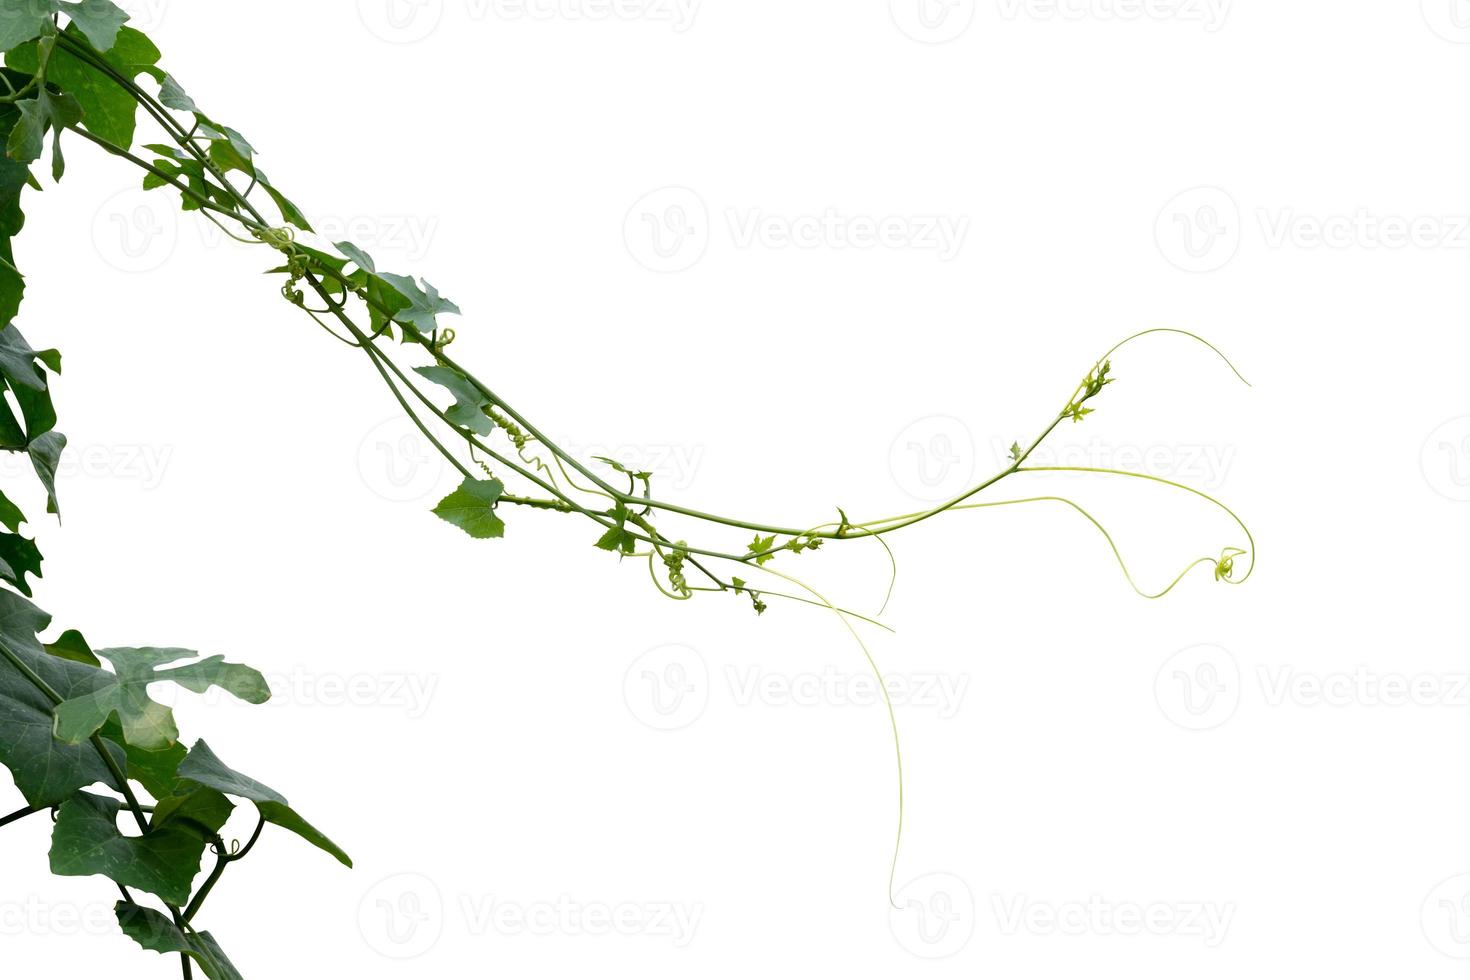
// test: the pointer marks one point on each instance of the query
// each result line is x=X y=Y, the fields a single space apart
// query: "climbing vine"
x=79 y=733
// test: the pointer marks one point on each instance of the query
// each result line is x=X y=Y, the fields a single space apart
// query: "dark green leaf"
x=10 y=515
x=46 y=771
x=86 y=841
x=19 y=556
x=155 y=931
x=45 y=453
x=205 y=768
x=72 y=646
x=200 y=811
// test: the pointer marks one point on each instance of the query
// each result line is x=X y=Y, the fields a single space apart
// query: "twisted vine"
x=74 y=69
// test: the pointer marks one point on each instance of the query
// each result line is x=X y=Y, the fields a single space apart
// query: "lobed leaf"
x=472 y=508
x=86 y=841
x=146 y=723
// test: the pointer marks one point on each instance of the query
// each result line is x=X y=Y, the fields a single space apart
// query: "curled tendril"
x=1225 y=567
x=442 y=339
x=281 y=238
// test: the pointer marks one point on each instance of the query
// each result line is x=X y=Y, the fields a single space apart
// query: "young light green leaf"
x=146 y=723
x=619 y=538
x=472 y=508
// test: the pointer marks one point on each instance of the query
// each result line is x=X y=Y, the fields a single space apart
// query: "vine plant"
x=86 y=743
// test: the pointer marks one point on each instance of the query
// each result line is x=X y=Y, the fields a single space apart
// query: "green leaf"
x=155 y=931
x=19 y=556
x=200 y=811
x=289 y=211
x=156 y=770
x=45 y=453
x=107 y=109
x=359 y=258
x=22 y=21
x=424 y=304
x=173 y=96
x=472 y=508
x=643 y=475
x=469 y=402
x=10 y=515
x=99 y=20
x=205 y=768
x=86 y=841
x=73 y=646
x=761 y=545
x=619 y=538
x=45 y=112
x=46 y=770
x=14 y=178
x=20 y=365
x=146 y=723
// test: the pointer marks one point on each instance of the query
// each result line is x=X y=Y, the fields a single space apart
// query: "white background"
x=1237 y=768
